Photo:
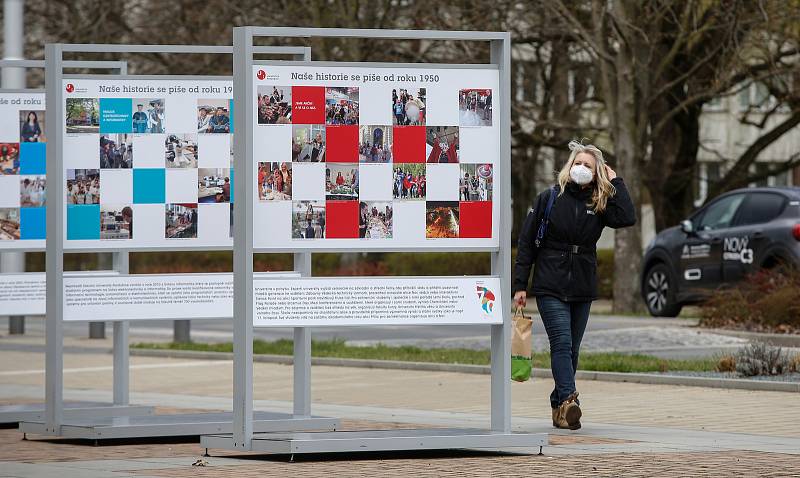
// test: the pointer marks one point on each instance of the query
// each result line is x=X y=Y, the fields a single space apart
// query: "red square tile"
x=342 y=144
x=409 y=144
x=475 y=219
x=308 y=104
x=341 y=219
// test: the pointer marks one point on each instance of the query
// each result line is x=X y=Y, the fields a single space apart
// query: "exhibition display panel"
x=140 y=163
x=23 y=142
x=359 y=157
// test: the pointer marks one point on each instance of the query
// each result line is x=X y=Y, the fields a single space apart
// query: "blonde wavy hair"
x=602 y=188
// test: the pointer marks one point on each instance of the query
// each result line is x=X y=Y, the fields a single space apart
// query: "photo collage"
x=150 y=163
x=345 y=178
x=22 y=174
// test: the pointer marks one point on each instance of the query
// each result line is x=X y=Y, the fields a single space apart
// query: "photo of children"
x=213 y=116
x=375 y=144
x=180 y=151
x=148 y=115
x=341 y=181
x=442 y=144
x=213 y=185
x=341 y=106
x=274 y=181
x=31 y=126
x=83 y=115
x=475 y=107
x=83 y=186
x=441 y=219
x=116 y=151
x=9 y=158
x=116 y=222
x=375 y=220
x=475 y=183
x=408 y=181
x=308 y=219
x=408 y=106
x=9 y=223
x=31 y=191
x=308 y=143
x=181 y=221
x=274 y=104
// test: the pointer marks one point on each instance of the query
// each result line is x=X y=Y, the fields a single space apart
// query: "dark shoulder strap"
x=540 y=233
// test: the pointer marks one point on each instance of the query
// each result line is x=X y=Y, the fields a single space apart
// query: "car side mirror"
x=687 y=227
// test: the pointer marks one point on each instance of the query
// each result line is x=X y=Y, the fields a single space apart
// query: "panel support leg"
x=121 y=344
x=302 y=350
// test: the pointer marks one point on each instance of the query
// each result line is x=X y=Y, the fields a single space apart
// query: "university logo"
x=487 y=298
x=261 y=74
x=70 y=87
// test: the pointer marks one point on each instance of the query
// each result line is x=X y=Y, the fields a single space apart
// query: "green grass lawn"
x=600 y=362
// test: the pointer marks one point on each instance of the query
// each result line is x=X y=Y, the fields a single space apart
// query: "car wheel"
x=659 y=292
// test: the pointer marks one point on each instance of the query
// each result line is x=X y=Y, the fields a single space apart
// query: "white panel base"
x=32 y=412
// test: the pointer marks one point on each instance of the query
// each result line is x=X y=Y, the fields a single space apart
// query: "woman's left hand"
x=610 y=173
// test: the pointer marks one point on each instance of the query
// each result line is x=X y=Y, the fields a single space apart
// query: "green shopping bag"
x=521 y=346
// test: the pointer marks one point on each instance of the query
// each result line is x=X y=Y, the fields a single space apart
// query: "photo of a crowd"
x=116 y=222
x=83 y=186
x=274 y=181
x=308 y=143
x=375 y=144
x=116 y=151
x=341 y=181
x=442 y=144
x=475 y=182
x=32 y=191
x=213 y=116
x=308 y=220
x=408 y=106
x=181 y=221
x=31 y=126
x=148 y=115
x=9 y=224
x=9 y=158
x=83 y=115
x=341 y=105
x=213 y=185
x=375 y=220
x=441 y=219
x=274 y=104
x=475 y=107
x=180 y=151
x=408 y=181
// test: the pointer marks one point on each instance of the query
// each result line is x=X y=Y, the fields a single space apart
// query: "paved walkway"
x=639 y=430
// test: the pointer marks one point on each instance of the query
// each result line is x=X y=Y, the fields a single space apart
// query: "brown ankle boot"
x=569 y=413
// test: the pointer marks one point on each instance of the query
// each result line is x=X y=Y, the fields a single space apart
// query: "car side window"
x=720 y=214
x=759 y=208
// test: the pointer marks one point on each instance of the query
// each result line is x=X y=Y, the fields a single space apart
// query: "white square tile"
x=272 y=143
x=214 y=151
x=442 y=182
x=116 y=186
x=181 y=185
x=148 y=150
x=478 y=144
x=408 y=219
x=375 y=182
x=9 y=191
x=213 y=223
x=149 y=223
x=308 y=181
x=272 y=223
x=81 y=151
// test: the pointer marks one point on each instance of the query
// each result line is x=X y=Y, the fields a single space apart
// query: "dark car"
x=737 y=233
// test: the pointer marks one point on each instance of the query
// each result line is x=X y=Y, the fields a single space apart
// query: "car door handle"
x=716 y=240
x=758 y=234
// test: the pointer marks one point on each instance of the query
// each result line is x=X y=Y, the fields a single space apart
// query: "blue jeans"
x=565 y=323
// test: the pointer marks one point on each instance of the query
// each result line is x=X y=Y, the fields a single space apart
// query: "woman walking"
x=588 y=197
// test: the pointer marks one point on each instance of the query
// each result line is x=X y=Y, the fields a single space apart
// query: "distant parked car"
x=737 y=233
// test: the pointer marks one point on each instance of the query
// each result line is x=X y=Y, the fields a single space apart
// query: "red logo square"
x=409 y=144
x=475 y=219
x=341 y=219
x=308 y=104
x=342 y=144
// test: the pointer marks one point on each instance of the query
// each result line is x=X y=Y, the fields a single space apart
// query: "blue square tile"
x=149 y=186
x=33 y=158
x=32 y=222
x=230 y=113
x=116 y=115
x=232 y=183
x=83 y=221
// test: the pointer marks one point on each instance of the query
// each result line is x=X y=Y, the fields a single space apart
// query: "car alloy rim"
x=657 y=286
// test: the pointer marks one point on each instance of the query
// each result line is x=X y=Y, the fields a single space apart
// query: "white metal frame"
x=243 y=437
x=94 y=425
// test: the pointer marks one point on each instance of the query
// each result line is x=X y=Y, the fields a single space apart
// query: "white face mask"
x=581 y=174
